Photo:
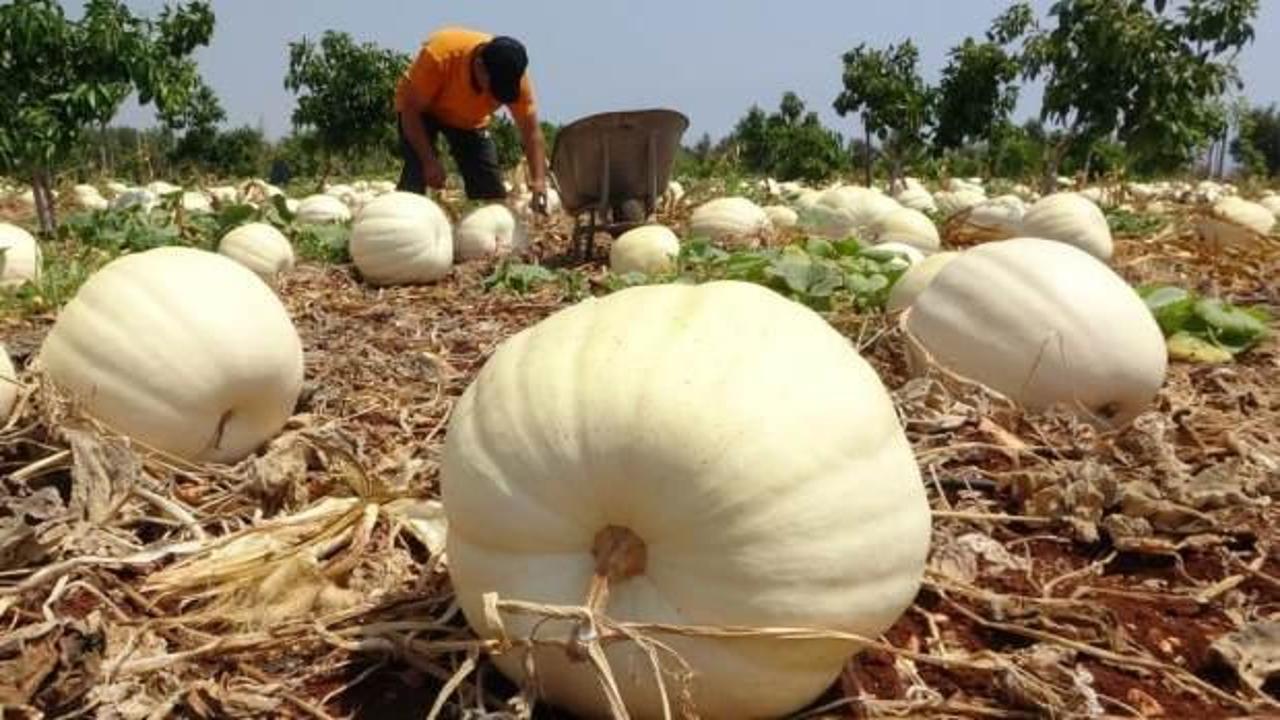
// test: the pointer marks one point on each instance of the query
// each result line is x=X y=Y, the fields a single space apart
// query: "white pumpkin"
x=902 y=254
x=382 y=187
x=648 y=249
x=999 y=218
x=781 y=216
x=848 y=210
x=917 y=197
x=115 y=187
x=402 y=238
x=224 y=194
x=624 y=418
x=196 y=203
x=8 y=385
x=949 y=203
x=1043 y=323
x=259 y=247
x=674 y=192
x=135 y=197
x=322 y=209
x=916 y=279
x=20 y=256
x=1235 y=220
x=88 y=198
x=486 y=231
x=1070 y=218
x=160 y=188
x=182 y=349
x=1272 y=203
x=730 y=221
x=907 y=226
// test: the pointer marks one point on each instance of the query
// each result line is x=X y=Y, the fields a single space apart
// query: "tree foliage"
x=59 y=77
x=345 y=91
x=1258 y=145
x=896 y=106
x=789 y=144
x=1142 y=72
x=977 y=93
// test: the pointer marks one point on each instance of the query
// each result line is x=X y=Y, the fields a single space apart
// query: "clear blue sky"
x=710 y=59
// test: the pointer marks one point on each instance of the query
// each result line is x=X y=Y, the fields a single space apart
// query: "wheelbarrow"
x=612 y=168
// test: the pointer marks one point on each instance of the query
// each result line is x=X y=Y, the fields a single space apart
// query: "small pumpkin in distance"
x=486 y=231
x=733 y=221
x=323 y=209
x=260 y=247
x=20 y=257
x=628 y=428
x=648 y=249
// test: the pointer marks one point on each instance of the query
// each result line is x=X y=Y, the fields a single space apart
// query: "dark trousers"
x=473 y=150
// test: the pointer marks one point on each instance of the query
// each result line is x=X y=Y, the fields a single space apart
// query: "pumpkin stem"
x=620 y=554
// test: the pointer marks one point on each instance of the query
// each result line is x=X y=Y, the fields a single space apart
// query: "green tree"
x=978 y=94
x=1132 y=71
x=789 y=144
x=1257 y=147
x=59 y=78
x=896 y=106
x=345 y=94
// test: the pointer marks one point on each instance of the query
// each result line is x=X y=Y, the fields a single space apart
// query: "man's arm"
x=535 y=155
x=423 y=75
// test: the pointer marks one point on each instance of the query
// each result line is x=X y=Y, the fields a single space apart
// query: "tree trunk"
x=46 y=212
x=1222 y=153
x=867 y=133
x=1050 y=180
x=104 y=159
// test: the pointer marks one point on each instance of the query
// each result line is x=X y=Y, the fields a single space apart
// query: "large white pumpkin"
x=730 y=221
x=916 y=279
x=402 y=238
x=322 y=209
x=797 y=503
x=1043 y=323
x=1070 y=218
x=20 y=256
x=8 y=385
x=182 y=349
x=648 y=249
x=259 y=247
x=486 y=231
x=909 y=227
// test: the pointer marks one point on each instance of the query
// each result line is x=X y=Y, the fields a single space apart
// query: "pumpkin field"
x=1077 y=565
x=962 y=416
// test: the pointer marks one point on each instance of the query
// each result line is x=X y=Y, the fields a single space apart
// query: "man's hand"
x=539 y=200
x=433 y=173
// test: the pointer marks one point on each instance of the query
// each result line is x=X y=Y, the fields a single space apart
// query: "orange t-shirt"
x=441 y=75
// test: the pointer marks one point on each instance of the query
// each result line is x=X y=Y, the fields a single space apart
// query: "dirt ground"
x=1073 y=573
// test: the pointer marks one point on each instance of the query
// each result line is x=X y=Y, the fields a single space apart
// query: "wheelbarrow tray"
x=605 y=162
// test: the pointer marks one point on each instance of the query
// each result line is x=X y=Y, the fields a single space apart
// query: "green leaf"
x=1232 y=327
x=1173 y=307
